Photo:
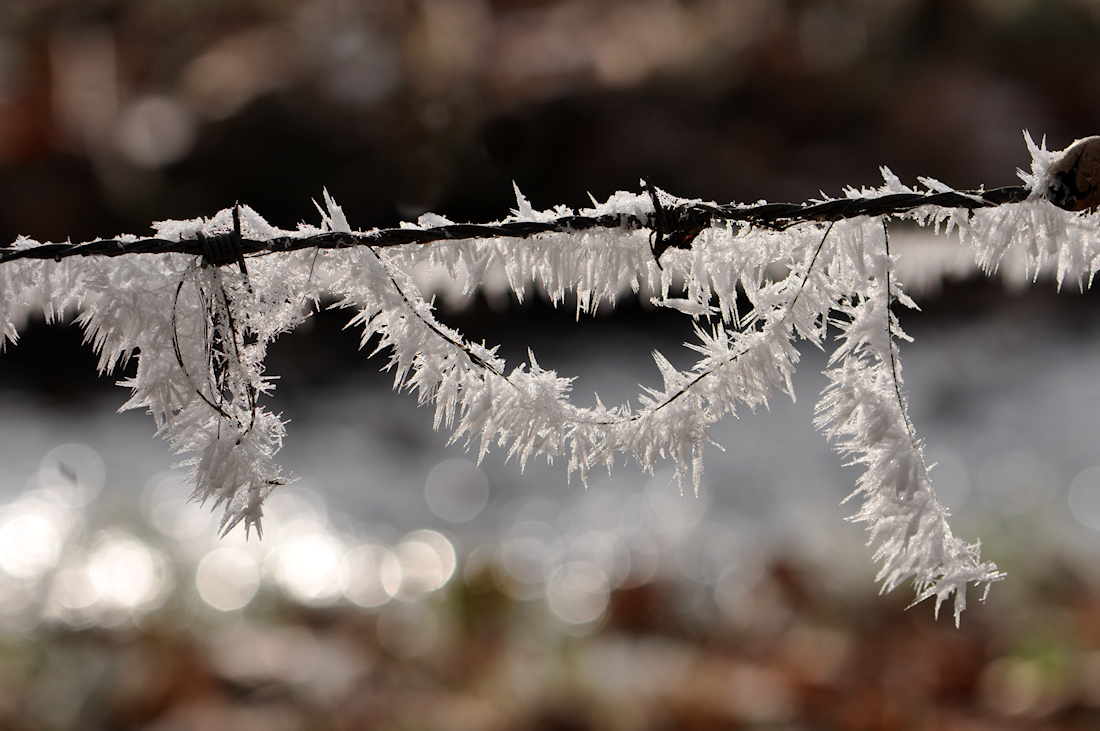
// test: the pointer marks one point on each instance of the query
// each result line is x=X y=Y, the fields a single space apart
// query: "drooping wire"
x=890 y=336
x=221 y=335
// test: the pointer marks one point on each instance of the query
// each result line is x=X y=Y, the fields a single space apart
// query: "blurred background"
x=400 y=586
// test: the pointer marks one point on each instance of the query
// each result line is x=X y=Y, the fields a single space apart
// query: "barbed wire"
x=675 y=227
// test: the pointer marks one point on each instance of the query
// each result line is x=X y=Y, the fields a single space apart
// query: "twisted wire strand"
x=677 y=226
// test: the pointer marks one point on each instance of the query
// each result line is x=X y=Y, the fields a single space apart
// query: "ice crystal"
x=199 y=333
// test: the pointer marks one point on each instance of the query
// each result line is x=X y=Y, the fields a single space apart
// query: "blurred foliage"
x=792 y=655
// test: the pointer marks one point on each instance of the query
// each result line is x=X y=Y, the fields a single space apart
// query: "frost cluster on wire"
x=199 y=333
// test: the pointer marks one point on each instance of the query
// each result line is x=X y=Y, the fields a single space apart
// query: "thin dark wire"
x=179 y=354
x=235 y=356
x=461 y=345
x=801 y=286
x=890 y=338
x=676 y=226
x=250 y=390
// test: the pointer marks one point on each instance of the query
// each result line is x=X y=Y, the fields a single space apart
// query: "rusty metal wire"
x=674 y=226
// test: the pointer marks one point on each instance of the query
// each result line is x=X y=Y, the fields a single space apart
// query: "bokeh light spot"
x=30 y=545
x=72 y=587
x=76 y=471
x=578 y=593
x=156 y=131
x=308 y=564
x=427 y=561
x=167 y=506
x=456 y=490
x=227 y=579
x=524 y=565
x=1084 y=498
x=373 y=575
x=128 y=574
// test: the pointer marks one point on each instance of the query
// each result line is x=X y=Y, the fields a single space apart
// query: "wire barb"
x=673 y=228
x=222 y=249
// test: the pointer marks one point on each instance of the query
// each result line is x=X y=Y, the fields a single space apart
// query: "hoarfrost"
x=200 y=333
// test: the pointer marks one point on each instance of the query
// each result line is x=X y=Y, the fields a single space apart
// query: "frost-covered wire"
x=677 y=225
x=198 y=303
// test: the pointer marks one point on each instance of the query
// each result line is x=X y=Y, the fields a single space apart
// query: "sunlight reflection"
x=18 y=600
x=308 y=563
x=128 y=574
x=74 y=470
x=30 y=545
x=73 y=597
x=373 y=575
x=289 y=504
x=671 y=510
x=604 y=551
x=168 y=508
x=227 y=579
x=1084 y=498
x=443 y=548
x=33 y=530
x=524 y=565
x=578 y=593
x=427 y=562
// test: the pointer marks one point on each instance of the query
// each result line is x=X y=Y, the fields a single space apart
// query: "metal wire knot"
x=222 y=249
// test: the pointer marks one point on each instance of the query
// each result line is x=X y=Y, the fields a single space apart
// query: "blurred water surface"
x=390 y=532
x=1004 y=400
